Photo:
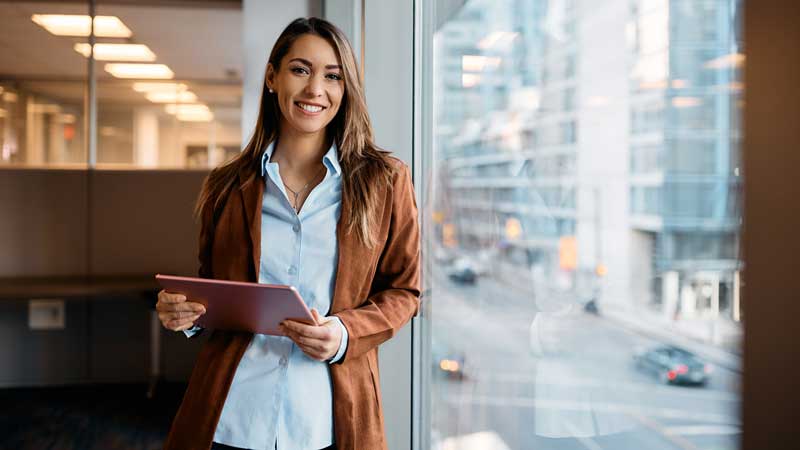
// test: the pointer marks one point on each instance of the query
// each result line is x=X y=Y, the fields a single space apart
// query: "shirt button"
x=283 y=360
x=296 y=228
x=292 y=270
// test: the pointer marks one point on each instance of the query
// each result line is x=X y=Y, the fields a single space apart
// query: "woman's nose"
x=314 y=86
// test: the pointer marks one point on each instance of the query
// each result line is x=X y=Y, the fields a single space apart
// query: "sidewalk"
x=719 y=342
x=694 y=335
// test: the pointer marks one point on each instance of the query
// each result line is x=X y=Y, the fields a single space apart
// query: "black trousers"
x=218 y=446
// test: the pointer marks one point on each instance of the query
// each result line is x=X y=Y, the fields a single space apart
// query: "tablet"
x=240 y=306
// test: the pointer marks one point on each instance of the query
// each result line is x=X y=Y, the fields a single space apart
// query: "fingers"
x=176 y=313
x=319 y=342
x=169 y=297
x=183 y=306
x=311 y=331
x=180 y=324
x=315 y=350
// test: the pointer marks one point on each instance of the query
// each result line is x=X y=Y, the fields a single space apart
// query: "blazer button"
x=296 y=228
x=292 y=270
x=283 y=360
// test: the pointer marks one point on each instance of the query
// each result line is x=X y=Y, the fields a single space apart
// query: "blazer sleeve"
x=395 y=291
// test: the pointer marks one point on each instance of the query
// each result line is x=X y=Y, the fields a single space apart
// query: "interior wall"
x=44 y=218
x=140 y=224
x=771 y=225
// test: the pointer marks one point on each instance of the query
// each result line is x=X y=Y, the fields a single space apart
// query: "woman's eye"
x=334 y=76
x=300 y=70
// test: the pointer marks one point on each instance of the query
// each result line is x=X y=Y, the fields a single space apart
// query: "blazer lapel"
x=252 y=197
x=346 y=243
x=354 y=263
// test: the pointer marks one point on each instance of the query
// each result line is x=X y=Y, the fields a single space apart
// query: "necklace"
x=297 y=193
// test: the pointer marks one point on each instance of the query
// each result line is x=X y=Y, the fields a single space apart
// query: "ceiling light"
x=122 y=70
x=117 y=52
x=158 y=87
x=200 y=117
x=171 y=97
x=196 y=108
x=80 y=25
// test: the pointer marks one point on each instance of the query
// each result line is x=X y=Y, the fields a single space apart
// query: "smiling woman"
x=311 y=202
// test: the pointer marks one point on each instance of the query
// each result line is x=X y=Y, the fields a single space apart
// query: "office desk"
x=94 y=289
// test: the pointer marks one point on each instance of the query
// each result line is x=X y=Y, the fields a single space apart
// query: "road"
x=573 y=386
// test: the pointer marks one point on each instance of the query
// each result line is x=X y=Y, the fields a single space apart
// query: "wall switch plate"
x=46 y=314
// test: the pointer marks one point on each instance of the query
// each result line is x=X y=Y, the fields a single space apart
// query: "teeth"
x=310 y=108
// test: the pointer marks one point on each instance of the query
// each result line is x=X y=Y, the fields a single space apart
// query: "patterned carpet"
x=91 y=417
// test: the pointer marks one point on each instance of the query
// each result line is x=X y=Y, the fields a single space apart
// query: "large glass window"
x=582 y=224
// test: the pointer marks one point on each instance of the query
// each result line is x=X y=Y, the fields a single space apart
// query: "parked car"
x=673 y=365
x=463 y=271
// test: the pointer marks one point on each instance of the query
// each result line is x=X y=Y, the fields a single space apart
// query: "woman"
x=312 y=202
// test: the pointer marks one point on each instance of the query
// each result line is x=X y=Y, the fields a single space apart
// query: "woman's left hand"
x=320 y=341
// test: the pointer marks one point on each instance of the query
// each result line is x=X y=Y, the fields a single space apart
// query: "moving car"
x=673 y=365
x=463 y=271
x=446 y=362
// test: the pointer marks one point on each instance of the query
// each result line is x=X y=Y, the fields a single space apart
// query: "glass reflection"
x=583 y=225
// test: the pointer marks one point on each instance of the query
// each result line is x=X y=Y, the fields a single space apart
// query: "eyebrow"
x=308 y=63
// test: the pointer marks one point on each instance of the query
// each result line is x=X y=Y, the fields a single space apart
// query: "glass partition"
x=42 y=86
x=169 y=84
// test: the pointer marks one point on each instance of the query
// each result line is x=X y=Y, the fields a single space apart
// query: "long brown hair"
x=365 y=167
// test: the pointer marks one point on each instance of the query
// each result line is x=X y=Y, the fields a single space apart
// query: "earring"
x=271 y=91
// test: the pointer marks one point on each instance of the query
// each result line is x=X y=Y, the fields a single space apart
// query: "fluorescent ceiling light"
x=725 y=61
x=196 y=108
x=80 y=25
x=117 y=52
x=171 y=97
x=197 y=112
x=123 y=70
x=158 y=87
x=198 y=117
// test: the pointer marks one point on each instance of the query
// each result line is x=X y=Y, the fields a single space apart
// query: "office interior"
x=100 y=170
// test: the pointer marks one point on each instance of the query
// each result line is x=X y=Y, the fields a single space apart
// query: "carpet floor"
x=87 y=417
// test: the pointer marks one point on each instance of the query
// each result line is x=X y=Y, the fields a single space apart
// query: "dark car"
x=673 y=365
x=463 y=271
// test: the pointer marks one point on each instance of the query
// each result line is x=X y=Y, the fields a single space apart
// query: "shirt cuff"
x=191 y=332
x=342 y=345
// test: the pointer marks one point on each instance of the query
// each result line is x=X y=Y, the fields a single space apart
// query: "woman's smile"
x=310 y=109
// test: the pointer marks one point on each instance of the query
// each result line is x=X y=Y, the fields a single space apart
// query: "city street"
x=574 y=386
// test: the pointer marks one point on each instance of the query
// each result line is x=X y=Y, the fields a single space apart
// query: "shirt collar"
x=331 y=158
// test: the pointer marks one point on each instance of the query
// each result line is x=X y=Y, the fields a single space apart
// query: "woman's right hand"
x=176 y=313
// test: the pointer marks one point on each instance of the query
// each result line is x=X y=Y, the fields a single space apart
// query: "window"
x=181 y=109
x=582 y=275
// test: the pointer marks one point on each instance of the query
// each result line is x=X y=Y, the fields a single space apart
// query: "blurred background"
x=589 y=193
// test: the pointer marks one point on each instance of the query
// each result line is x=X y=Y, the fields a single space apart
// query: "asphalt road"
x=567 y=382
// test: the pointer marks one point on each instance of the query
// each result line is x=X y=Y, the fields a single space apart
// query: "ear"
x=269 y=78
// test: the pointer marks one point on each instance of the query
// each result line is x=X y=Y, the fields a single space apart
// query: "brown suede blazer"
x=376 y=292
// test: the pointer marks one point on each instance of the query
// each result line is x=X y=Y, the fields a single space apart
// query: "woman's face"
x=309 y=85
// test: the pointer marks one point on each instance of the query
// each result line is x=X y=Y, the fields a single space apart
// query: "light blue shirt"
x=279 y=394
